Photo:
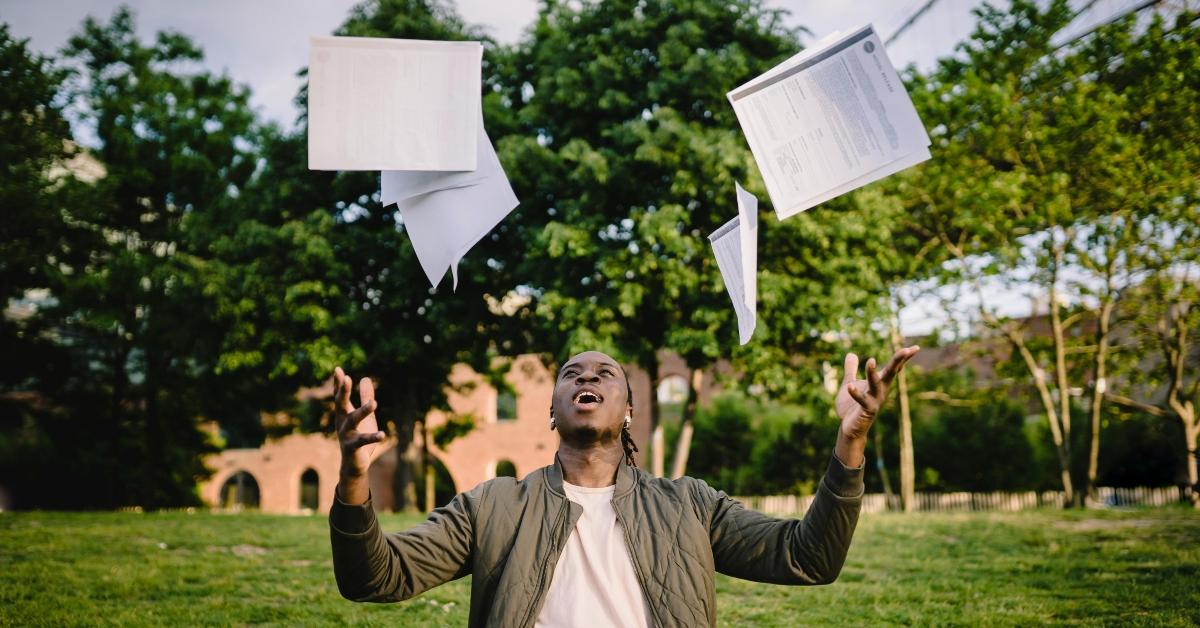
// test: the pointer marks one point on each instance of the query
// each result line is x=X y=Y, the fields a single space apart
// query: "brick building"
x=298 y=473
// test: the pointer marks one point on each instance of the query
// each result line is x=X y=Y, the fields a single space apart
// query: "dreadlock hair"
x=627 y=443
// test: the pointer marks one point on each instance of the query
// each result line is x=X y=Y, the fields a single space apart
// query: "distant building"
x=298 y=473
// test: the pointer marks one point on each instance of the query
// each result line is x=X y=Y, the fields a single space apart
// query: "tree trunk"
x=1099 y=387
x=684 y=445
x=1064 y=390
x=1191 y=431
x=427 y=469
x=657 y=444
x=1039 y=380
x=881 y=466
x=120 y=384
x=908 y=468
x=408 y=465
x=1173 y=330
x=151 y=439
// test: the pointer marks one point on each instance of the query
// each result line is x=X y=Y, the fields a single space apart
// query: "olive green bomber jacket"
x=508 y=535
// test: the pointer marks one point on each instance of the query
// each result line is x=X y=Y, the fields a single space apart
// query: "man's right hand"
x=357 y=431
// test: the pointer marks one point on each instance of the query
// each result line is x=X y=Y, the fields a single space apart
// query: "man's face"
x=590 y=397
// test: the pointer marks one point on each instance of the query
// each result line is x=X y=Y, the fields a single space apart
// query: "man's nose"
x=587 y=376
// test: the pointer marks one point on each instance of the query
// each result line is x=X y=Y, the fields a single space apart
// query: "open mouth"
x=587 y=399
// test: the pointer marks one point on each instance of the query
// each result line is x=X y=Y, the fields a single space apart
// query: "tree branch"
x=1137 y=405
x=937 y=395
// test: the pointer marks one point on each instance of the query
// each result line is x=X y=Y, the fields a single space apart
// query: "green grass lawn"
x=1139 y=567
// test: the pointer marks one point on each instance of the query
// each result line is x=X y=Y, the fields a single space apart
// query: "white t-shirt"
x=594 y=582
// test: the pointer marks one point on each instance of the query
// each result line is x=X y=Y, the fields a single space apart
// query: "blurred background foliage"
x=169 y=262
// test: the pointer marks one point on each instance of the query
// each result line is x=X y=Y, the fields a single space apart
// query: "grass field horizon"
x=1092 y=567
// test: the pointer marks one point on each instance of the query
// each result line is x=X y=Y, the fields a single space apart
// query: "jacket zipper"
x=554 y=550
x=637 y=567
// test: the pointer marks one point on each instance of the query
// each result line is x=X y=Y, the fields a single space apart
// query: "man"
x=591 y=540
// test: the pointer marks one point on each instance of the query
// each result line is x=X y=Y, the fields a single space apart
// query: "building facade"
x=511 y=434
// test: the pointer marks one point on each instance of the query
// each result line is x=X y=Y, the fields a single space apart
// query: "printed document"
x=735 y=245
x=393 y=104
x=829 y=120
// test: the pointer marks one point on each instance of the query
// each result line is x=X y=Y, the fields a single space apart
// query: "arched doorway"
x=672 y=392
x=240 y=491
x=505 y=469
x=310 y=490
x=443 y=486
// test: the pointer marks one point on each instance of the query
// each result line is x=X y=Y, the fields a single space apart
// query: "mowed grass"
x=1138 y=567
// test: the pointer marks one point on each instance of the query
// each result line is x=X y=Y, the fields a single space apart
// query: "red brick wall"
x=525 y=441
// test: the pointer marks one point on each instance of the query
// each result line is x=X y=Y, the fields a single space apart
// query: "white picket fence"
x=796 y=505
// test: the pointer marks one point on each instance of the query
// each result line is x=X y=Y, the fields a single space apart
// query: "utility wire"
x=1145 y=4
x=912 y=19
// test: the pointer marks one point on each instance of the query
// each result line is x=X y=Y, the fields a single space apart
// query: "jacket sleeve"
x=750 y=545
x=371 y=566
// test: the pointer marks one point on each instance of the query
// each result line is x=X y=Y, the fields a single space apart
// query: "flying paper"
x=829 y=120
x=393 y=104
x=735 y=245
x=444 y=224
x=398 y=185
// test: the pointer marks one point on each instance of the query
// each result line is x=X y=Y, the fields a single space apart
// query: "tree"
x=119 y=420
x=391 y=324
x=33 y=134
x=750 y=447
x=1044 y=172
x=1160 y=63
x=34 y=142
x=635 y=151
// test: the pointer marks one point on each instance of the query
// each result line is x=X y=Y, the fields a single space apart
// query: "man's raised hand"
x=357 y=429
x=859 y=400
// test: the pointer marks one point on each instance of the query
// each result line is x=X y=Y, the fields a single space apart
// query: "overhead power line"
x=912 y=19
x=1146 y=4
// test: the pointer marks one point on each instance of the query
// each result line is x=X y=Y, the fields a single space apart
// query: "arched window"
x=239 y=491
x=672 y=395
x=672 y=389
x=506 y=406
x=443 y=486
x=506 y=469
x=310 y=490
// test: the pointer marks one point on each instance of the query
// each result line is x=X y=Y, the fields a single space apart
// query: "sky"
x=263 y=43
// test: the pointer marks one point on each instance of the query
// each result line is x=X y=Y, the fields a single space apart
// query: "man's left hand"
x=859 y=400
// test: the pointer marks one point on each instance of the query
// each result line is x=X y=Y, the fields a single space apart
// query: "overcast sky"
x=263 y=43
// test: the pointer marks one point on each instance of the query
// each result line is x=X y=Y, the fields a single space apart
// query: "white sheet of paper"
x=398 y=185
x=443 y=225
x=393 y=104
x=871 y=177
x=793 y=60
x=735 y=245
x=824 y=119
x=748 y=232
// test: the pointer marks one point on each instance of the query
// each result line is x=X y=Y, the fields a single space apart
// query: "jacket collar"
x=626 y=478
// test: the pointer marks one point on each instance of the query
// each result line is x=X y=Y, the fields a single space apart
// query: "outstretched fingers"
x=856 y=393
x=364 y=439
x=366 y=391
x=874 y=386
x=850 y=369
x=896 y=364
x=356 y=417
x=341 y=394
